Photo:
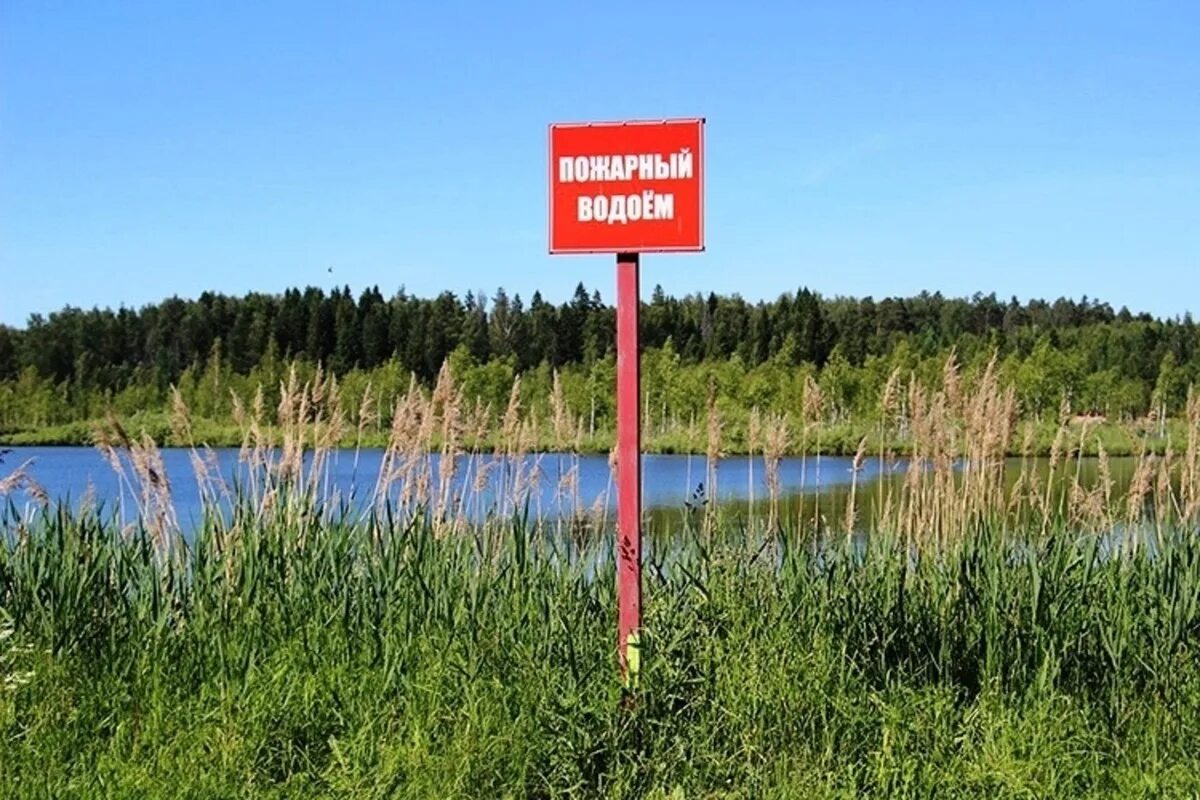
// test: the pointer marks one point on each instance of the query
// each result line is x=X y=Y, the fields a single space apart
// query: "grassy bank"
x=552 y=411
x=313 y=658
x=844 y=439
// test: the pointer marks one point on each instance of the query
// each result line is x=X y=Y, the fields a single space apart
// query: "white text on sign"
x=644 y=166
x=622 y=208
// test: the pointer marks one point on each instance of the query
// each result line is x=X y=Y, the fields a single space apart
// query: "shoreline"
x=837 y=440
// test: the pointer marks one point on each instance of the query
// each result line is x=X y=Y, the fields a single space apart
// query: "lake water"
x=561 y=486
x=670 y=482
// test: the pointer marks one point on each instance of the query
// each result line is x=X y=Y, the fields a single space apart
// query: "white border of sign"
x=552 y=250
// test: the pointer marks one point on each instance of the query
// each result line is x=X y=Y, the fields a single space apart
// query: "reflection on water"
x=677 y=489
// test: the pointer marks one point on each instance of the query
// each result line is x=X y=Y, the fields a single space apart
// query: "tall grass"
x=990 y=636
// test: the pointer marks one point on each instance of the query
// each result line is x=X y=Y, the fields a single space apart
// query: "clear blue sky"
x=1035 y=149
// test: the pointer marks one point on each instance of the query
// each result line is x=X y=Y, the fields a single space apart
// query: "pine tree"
x=8 y=353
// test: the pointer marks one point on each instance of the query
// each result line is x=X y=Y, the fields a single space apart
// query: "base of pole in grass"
x=632 y=666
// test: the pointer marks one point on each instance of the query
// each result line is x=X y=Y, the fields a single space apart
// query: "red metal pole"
x=629 y=470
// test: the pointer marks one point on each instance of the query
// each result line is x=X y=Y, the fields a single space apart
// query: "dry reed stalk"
x=1057 y=448
x=887 y=409
x=560 y=415
x=259 y=440
x=180 y=421
x=855 y=468
x=118 y=430
x=753 y=443
x=1189 y=484
x=507 y=443
x=775 y=444
x=890 y=396
x=1080 y=447
x=568 y=487
x=478 y=423
x=87 y=504
x=975 y=408
x=988 y=426
x=918 y=515
x=937 y=503
x=218 y=484
x=1009 y=416
x=1027 y=441
x=317 y=386
x=536 y=478
x=910 y=511
x=475 y=426
x=712 y=453
x=1139 y=489
x=109 y=439
x=20 y=480
x=577 y=499
x=1086 y=508
x=105 y=445
x=238 y=411
x=181 y=431
x=1016 y=498
x=599 y=511
x=366 y=415
x=328 y=429
x=942 y=496
x=418 y=478
x=1104 y=486
x=482 y=477
x=255 y=453
x=391 y=451
x=1080 y=512
x=814 y=410
x=612 y=462
x=564 y=431
x=1163 y=496
x=449 y=398
x=1031 y=495
x=308 y=433
x=510 y=423
x=155 y=509
x=952 y=388
x=289 y=413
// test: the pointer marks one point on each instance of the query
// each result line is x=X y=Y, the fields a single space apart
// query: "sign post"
x=627 y=188
x=629 y=468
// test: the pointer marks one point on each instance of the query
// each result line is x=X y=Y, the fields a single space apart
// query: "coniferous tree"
x=8 y=354
x=501 y=341
x=70 y=362
x=347 y=328
x=475 y=327
x=543 y=325
x=319 y=339
x=373 y=311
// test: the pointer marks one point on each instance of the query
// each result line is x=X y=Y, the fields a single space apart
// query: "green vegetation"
x=335 y=659
x=988 y=638
x=62 y=374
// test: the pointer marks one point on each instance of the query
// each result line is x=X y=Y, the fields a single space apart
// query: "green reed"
x=318 y=654
x=969 y=636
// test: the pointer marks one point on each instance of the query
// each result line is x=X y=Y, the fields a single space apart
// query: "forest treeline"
x=73 y=364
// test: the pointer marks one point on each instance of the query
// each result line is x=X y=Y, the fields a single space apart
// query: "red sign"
x=627 y=187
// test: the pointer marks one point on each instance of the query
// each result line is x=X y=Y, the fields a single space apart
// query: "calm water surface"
x=70 y=473
x=563 y=484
